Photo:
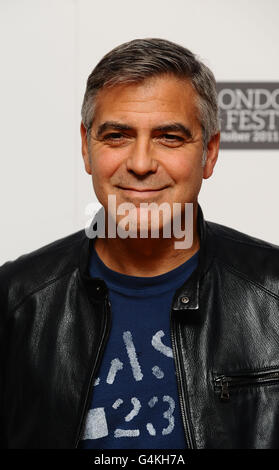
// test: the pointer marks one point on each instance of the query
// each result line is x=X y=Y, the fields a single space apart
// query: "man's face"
x=146 y=143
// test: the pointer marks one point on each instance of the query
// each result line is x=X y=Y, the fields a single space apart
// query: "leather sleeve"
x=3 y=349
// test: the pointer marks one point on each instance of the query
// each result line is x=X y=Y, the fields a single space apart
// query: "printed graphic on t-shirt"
x=133 y=398
x=135 y=401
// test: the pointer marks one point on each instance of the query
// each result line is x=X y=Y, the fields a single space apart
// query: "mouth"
x=141 y=192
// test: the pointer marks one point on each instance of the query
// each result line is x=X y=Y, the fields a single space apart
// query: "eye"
x=113 y=136
x=171 y=140
x=173 y=137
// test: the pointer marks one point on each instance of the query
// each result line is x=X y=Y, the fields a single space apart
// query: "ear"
x=212 y=155
x=85 y=149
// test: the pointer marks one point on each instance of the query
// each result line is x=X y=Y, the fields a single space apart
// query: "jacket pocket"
x=225 y=385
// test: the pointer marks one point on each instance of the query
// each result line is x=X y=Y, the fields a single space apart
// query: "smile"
x=142 y=192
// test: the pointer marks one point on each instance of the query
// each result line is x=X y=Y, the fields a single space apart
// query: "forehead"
x=149 y=102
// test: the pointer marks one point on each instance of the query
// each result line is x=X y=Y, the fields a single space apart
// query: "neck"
x=145 y=257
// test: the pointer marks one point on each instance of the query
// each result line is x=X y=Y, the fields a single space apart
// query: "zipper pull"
x=225 y=396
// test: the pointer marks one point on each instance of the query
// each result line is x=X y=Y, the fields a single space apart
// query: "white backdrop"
x=49 y=47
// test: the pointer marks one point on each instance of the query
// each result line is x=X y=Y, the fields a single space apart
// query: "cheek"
x=186 y=169
x=105 y=162
x=104 y=166
x=187 y=172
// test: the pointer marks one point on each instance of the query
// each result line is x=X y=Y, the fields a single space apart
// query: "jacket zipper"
x=184 y=404
x=225 y=384
x=104 y=338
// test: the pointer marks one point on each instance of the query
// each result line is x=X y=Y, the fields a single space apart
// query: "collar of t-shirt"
x=137 y=286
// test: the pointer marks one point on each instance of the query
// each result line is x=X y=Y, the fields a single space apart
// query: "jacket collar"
x=187 y=296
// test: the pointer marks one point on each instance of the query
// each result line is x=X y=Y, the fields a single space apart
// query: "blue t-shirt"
x=135 y=397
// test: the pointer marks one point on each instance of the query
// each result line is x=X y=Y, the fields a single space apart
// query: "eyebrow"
x=168 y=127
x=112 y=125
x=175 y=127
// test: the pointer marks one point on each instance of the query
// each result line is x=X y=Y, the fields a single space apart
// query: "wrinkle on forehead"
x=165 y=97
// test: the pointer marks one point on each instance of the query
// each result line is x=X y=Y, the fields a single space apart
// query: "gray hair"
x=134 y=61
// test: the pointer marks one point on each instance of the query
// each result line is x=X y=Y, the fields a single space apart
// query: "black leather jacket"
x=55 y=321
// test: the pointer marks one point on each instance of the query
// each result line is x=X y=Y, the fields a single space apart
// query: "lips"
x=142 y=190
x=141 y=194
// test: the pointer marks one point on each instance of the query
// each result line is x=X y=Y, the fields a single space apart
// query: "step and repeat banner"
x=249 y=113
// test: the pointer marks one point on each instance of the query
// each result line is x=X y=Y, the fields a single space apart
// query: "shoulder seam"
x=243 y=276
x=41 y=287
x=36 y=252
x=243 y=242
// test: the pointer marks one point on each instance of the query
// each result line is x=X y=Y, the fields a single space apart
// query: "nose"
x=141 y=159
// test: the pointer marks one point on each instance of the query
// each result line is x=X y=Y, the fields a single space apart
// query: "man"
x=133 y=341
